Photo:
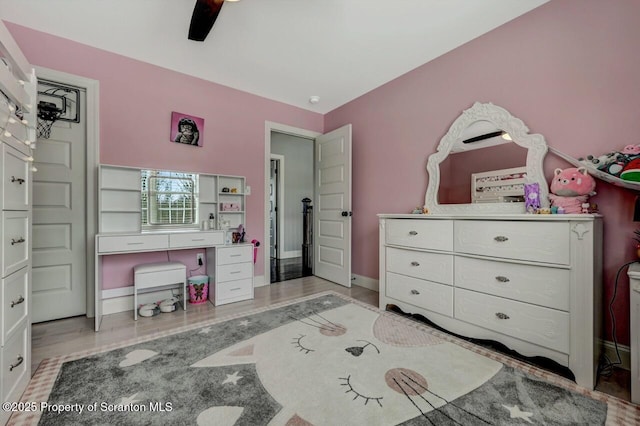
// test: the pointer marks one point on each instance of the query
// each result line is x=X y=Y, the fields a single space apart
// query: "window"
x=169 y=199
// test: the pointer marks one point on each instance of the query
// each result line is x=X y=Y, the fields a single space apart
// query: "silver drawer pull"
x=413 y=232
x=135 y=244
x=18 y=241
x=501 y=315
x=414 y=263
x=235 y=272
x=235 y=255
x=415 y=292
x=236 y=289
x=20 y=360
x=502 y=279
x=197 y=239
x=17 y=302
x=19 y=180
x=501 y=239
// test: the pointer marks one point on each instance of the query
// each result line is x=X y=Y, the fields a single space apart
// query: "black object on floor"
x=288 y=269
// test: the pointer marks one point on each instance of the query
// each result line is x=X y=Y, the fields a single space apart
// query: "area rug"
x=321 y=360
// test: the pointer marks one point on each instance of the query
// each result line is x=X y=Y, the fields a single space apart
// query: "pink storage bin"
x=198 y=289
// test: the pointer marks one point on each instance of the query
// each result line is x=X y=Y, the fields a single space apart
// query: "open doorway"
x=291 y=181
x=331 y=201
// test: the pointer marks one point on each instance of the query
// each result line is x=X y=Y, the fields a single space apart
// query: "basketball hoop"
x=48 y=113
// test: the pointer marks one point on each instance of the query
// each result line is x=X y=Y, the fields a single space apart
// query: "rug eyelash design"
x=323 y=359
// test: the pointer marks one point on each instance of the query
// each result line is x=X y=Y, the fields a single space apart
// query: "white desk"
x=109 y=244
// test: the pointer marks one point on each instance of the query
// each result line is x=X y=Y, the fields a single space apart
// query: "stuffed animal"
x=631 y=171
x=631 y=150
x=570 y=188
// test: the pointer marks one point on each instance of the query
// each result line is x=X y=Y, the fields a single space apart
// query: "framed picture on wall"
x=187 y=129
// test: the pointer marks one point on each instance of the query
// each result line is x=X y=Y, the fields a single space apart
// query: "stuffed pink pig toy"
x=570 y=188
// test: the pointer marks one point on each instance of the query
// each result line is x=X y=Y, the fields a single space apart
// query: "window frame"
x=149 y=196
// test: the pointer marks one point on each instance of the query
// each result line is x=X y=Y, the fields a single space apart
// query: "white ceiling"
x=285 y=50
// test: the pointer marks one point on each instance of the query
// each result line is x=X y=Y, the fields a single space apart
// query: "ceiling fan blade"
x=204 y=15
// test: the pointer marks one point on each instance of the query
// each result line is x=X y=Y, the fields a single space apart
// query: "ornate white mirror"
x=483 y=162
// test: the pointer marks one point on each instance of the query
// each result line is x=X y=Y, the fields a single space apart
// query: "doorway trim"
x=279 y=204
x=270 y=126
x=92 y=160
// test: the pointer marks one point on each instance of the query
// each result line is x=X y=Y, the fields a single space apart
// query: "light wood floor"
x=71 y=335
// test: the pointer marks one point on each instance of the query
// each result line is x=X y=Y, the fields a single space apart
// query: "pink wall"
x=569 y=69
x=136 y=101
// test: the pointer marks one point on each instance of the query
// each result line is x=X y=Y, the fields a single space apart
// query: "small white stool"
x=154 y=275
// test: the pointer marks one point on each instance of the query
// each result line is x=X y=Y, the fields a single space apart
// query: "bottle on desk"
x=212 y=222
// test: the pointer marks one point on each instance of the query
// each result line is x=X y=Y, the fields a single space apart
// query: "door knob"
x=345 y=214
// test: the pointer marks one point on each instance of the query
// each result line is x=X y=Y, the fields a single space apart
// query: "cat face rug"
x=320 y=360
x=346 y=363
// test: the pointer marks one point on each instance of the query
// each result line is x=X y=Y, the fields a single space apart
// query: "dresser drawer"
x=541 y=326
x=420 y=233
x=234 y=254
x=15 y=179
x=418 y=264
x=15 y=363
x=123 y=243
x=234 y=272
x=424 y=294
x=14 y=294
x=534 y=241
x=196 y=239
x=15 y=241
x=233 y=291
x=542 y=286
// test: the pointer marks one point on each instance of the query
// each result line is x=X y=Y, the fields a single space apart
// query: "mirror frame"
x=534 y=143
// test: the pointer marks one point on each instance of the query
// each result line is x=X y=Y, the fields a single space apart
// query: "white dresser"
x=15 y=266
x=18 y=96
x=634 y=329
x=531 y=282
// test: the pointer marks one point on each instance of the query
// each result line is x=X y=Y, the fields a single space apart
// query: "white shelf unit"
x=120 y=201
x=231 y=205
x=208 y=198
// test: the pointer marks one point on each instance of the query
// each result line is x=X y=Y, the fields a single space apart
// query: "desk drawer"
x=124 y=243
x=15 y=241
x=420 y=233
x=233 y=291
x=15 y=179
x=541 y=326
x=238 y=254
x=423 y=294
x=534 y=241
x=196 y=239
x=419 y=264
x=15 y=292
x=234 y=272
x=15 y=362
x=539 y=285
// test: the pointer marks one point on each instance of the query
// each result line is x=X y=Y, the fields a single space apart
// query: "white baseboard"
x=290 y=254
x=366 y=282
x=625 y=353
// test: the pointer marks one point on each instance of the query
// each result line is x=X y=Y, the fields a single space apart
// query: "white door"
x=59 y=222
x=332 y=207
